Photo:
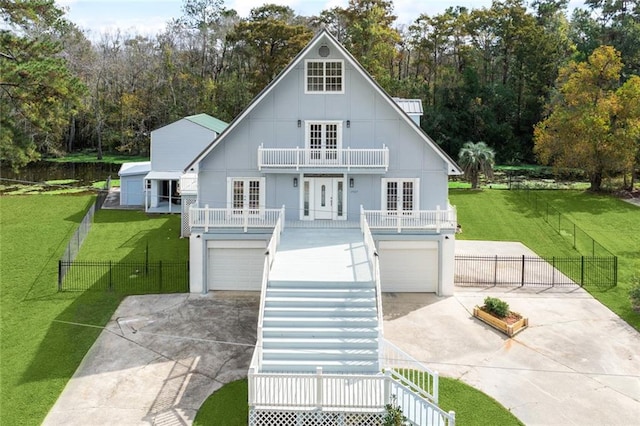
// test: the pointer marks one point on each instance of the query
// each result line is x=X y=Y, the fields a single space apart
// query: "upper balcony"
x=342 y=159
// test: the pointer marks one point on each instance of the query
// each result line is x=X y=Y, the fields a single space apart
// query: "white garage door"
x=235 y=265
x=409 y=266
x=132 y=191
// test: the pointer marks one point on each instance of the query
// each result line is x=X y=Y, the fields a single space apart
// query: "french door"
x=323 y=142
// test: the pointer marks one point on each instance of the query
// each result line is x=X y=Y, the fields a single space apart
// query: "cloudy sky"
x=150 y=16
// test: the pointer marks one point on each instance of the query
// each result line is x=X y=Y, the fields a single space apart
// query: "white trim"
x=324 y=91
x=416 y=193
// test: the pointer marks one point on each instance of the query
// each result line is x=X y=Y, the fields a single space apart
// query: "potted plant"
x=496 y=313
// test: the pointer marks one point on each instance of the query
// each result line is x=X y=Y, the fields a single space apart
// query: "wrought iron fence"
x=124 y=277
x=580 y=240
x=508 y=271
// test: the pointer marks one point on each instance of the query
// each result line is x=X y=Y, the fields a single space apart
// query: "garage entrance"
x=235 y=264
x=409 y=266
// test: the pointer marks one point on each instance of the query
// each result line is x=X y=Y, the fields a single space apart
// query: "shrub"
x=497 y=307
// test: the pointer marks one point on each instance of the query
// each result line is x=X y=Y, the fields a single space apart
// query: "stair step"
x=270 y=321
x=319 y=354
x=320 y=301
x=321 y=284
x=327 y=311
x=322 y=292
x=328 y=366
x=320 y=342
x=320 y=332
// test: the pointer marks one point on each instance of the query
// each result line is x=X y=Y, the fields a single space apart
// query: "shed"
x=132 y=182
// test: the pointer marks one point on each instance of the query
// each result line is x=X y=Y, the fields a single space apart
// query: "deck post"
x=319 y=396
x=252 y=390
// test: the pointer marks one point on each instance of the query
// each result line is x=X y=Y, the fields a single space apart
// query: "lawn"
x=40 y=354
x=504 y=215
x=228 y=406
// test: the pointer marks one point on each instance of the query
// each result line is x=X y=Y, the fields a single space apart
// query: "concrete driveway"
x=577 y=363
x=159 y=358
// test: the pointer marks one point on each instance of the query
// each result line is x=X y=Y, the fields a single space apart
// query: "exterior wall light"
x=299 y=123
x=295 y=182
x=351 y=183
x=348 y=124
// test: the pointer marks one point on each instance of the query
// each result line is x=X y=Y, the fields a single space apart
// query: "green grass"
x=228 y=406
x=120 y=235
x=504 y=216
x=91 y=157
x=38 y=353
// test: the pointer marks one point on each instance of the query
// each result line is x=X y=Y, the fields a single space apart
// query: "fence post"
x=59 y=275
x=581 y=271
x=593 y=247
x=574 y=235
x=110 y=276
x=553 y=271
x=160 y=276
x=495 y=271
x=522 y=275
x=615 y=270
x=146 y=259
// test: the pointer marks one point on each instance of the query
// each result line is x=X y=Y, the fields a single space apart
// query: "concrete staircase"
x=310 y=324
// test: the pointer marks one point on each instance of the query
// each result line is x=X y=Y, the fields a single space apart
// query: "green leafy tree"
x=476 y=159
x=593 y=121
x=38 y=93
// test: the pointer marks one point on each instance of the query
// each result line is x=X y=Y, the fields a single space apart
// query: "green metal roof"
x=209 y=122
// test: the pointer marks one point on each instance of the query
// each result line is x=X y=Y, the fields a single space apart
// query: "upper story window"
x=324 y=76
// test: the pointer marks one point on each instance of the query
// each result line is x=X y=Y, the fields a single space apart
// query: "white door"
x=409 y=266
x=323 y=141
x=323 y=198
x=132 y=191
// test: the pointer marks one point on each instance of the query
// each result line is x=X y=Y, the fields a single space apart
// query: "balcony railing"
x=425 y=220
x=233 y=218
x=305 y=158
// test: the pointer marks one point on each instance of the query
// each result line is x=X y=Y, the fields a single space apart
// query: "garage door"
x=409 y=266
x=235 y=265
x=132 y=191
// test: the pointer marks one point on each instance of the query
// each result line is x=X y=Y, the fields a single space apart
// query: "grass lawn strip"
x=228 y=406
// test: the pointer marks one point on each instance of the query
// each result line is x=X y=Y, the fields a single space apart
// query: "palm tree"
x=476 y=158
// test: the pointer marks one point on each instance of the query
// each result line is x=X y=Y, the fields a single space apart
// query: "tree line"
x=491 y=74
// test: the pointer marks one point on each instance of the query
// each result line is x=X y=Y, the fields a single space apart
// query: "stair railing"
x=417 y=410
x=270 y=253
x=372 y=254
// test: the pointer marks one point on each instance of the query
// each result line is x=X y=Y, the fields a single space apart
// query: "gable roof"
x=321 y=36
x=211 y=123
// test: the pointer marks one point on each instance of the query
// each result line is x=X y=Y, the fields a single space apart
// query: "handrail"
x=412 y=373
x=272 y=247
x=372 y=254
x=419 y=411
x=413 y=219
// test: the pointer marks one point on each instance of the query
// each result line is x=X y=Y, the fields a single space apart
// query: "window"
x=324 y=76
x=400 y=195
x=245 y=193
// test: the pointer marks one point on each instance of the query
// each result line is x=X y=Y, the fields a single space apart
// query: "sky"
x=149 y=17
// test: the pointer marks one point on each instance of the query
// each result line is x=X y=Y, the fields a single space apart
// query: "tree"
x=476 y=158
x=592 y=124
x=38 y=93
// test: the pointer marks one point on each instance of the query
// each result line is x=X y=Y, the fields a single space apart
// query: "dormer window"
x=324 y=76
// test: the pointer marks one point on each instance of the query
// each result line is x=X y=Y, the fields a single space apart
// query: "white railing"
x=416 y=219
x=372 y=255
x=341 y=392
x=407 y=370
x=419 y=411
x=205 y=217
x=296 y=158
x=272 y=247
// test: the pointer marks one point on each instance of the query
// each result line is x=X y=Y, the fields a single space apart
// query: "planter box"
x=497 y=323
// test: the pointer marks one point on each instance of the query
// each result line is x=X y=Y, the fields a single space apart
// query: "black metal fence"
x=509 y=271
x=124 y=277
x=580 y=240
